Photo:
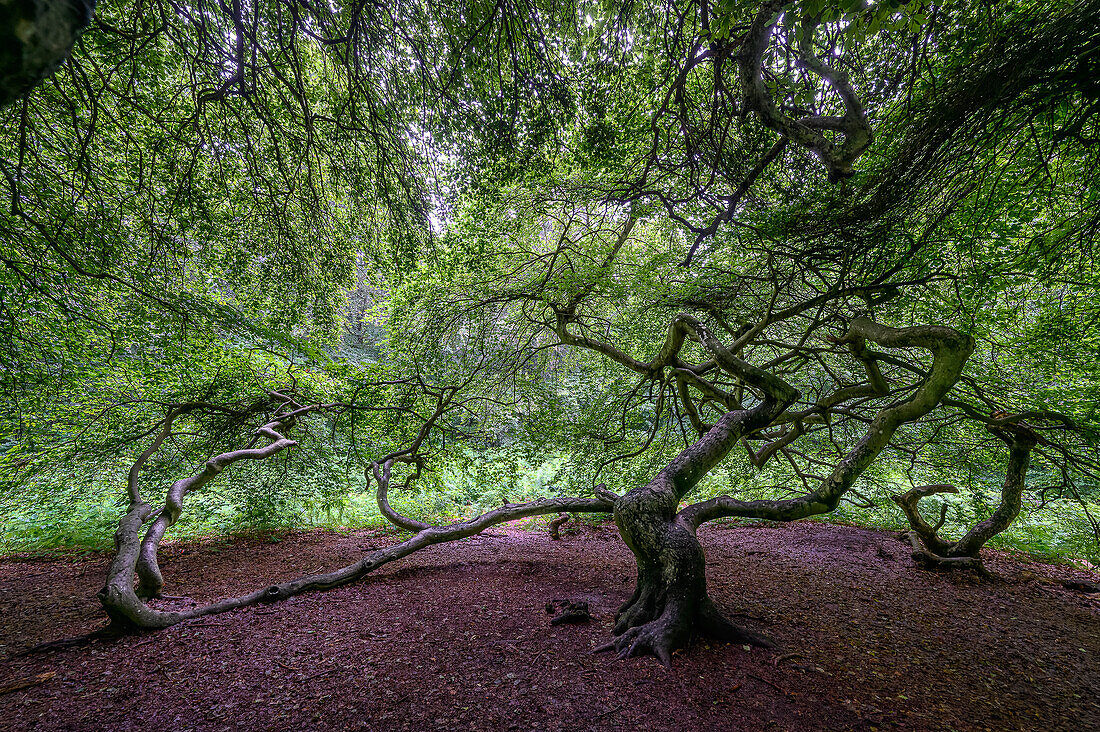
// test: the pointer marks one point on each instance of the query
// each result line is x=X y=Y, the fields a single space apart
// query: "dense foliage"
x=443 y=218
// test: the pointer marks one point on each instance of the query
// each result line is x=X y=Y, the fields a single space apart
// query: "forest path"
x=457 y=637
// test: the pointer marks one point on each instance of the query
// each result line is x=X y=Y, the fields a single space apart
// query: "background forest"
x=466 y=228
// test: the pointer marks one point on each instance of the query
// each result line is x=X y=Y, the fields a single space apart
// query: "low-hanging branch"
x=382 y=477
x=929 y=548
x=950 y=350
x=135 y=557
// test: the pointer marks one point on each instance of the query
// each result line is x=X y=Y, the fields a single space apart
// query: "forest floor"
x=456 y=637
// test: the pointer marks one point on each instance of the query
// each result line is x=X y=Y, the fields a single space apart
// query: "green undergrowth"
x=51 y=518
x=82 y=519
x=1056 y=533
x=89 y=528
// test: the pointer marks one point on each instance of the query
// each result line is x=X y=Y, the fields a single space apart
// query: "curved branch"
x=132 y=477
x=609 y=497
x=145 y=565
x=127 y=609
x=928 y=534
x=1021 y=440
x=876 y=386
x=950 y=350
x=734 y=200
x=682 y=327
x=838 y=159
x=693 y=463
x=382 y=495
x=1019 y=457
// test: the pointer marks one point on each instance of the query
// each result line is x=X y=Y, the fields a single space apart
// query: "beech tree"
x=809 y=242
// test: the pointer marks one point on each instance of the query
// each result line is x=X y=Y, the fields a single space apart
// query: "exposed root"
x=787 y=657
x=930 y=560
x=639 y=610
x=772 y=684
x=641 y=630
x=715 y=625
x=1089 y=588
x=657 y=638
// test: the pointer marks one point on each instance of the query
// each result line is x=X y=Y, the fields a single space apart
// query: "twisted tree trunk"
x=670 y=603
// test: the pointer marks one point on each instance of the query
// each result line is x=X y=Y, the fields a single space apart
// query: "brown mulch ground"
x=456 y=637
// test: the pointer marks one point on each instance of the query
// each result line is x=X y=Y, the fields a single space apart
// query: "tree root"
x=787 y=657
x=929 y=560
x=1089 y=588
x=715 y=625
x=674 y=628
x=655 y=638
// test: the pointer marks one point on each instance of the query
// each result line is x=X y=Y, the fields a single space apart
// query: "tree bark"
x=670 y=604
x=128 y=612
x=930 y=549
x=137 y=557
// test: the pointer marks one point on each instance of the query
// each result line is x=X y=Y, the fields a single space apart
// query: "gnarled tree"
x=794 y=233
